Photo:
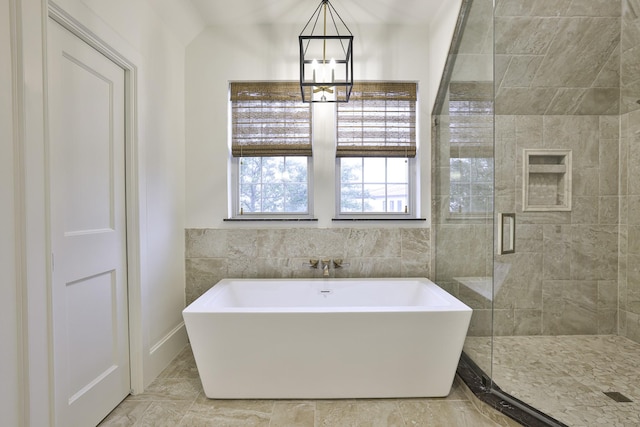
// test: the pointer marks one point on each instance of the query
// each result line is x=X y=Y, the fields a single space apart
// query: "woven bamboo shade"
x=269 y=119
x=471 y=119
x=378 y=121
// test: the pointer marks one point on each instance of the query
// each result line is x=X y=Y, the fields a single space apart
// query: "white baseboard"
x=163 y=352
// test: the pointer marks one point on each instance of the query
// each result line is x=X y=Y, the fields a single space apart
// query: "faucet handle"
x=313 y=263
x=339 y=263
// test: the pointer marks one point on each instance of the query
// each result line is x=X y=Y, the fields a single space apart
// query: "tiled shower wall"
x=215 y=254
x=629 y=248
x=563 y=277
x=562 y=69
x=558 y=87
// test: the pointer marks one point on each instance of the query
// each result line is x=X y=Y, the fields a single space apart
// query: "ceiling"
x=409 y=12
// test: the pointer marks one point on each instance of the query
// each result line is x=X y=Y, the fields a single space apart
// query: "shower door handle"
x=507 y=233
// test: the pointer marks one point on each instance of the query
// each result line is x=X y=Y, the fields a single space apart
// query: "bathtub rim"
x=205 y=304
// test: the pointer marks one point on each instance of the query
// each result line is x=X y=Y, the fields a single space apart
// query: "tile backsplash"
x=215 y=254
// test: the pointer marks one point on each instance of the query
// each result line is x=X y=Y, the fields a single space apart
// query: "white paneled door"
x=88 y=224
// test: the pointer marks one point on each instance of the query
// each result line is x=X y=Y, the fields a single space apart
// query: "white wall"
x=156 y=49
x=441 y=32
x=9 y=360
x=265 y=52
x=159 y=56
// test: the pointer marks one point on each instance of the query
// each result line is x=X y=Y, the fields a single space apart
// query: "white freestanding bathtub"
x=326 y=338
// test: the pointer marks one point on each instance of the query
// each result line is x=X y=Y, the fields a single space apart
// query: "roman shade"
x=378 y=121
x=269 y=119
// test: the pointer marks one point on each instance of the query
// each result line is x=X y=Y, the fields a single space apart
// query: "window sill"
x=378 y=219
x=270 y=219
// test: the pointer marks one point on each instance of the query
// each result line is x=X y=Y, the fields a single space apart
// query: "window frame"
x=412 y=192
x=235 y=195
x=413 y=161
x=234 y=210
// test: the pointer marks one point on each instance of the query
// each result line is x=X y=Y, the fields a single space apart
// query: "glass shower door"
x=463 y=176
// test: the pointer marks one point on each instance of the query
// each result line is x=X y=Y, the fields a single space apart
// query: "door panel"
x=89 y=283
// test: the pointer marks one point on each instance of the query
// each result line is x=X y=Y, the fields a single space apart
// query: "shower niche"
x=546 y=181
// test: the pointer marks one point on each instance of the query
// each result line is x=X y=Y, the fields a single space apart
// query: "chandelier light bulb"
x=332 y=65
x=314 y=66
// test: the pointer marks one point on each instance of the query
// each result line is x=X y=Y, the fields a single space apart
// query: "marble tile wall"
x=214 y=254
x=558 y=85
x=474 y=59
x=630 y=56
x=557 y=57
x=563 y=278
x=629 y=174
x=564 y=72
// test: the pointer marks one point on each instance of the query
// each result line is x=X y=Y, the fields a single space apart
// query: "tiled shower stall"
x=547 y=95
x=554 y=90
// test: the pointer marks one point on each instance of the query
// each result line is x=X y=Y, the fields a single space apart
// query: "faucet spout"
x=325 y=268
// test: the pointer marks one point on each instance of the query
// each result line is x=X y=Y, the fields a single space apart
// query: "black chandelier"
x=326 y=60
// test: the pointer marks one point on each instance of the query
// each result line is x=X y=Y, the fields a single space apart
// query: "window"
x=471 y=156
x=376 y=149
x=374 y=185
x=471 y=181
x=274 y=185
x=271 y=149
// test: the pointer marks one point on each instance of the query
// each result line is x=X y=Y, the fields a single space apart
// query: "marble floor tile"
x=164 y=414
x=176 y=398
x=200 y=420
x=126 y=414
x=183 y=366
x=566 y=376
x=457 y=391
x=293 y=414
x=427 y=412
x=379 y=413
x=204 y=405
x=331 y=412
x=171 y=389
